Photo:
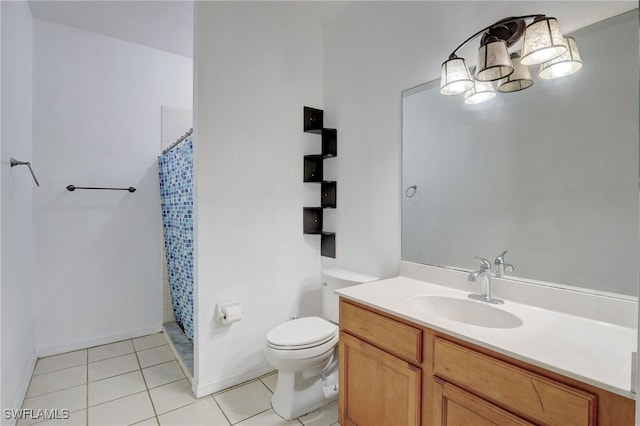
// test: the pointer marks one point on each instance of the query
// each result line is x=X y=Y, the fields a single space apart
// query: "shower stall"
x=175 y=167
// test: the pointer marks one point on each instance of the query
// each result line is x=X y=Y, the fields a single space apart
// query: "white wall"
x=369 y=58
x=256 y=67
x=97 y=103
x=18 y=340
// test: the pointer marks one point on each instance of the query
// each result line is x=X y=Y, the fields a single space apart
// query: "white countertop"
x=593 y=352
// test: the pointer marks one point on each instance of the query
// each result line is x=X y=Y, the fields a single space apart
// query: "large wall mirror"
x=549 y=173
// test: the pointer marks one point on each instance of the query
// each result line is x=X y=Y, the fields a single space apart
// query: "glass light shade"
x=563 y=65
x=493 y=61
x=519 y=80
x=543 y=41
x=455 y=78
x=482 y=91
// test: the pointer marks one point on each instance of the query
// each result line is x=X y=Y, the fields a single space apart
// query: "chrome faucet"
x=501 y=267
x=484 y=274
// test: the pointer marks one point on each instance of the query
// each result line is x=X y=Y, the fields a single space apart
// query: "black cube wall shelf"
x=313 y=168
x=329 y=143
x=313 y=122
x=312 y=220
x=328 y=195
x=328 y=245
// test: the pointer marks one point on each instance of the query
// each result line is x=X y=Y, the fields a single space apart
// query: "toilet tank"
x=334 y=279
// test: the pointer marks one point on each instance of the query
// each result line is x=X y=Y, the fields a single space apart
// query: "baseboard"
x=111 y=338
x=17 y=404
x=208 y=388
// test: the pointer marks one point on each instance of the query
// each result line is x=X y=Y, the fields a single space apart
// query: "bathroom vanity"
x=403 y=365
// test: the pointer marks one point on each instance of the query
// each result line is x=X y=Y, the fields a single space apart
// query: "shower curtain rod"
x=180 y=139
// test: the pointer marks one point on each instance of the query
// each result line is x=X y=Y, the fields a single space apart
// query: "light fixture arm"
x=494 y=25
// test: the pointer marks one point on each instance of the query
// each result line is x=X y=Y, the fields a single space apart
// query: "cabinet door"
x=376 y=388
x=454 y=407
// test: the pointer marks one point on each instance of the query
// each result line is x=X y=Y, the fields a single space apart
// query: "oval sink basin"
x=467 y=311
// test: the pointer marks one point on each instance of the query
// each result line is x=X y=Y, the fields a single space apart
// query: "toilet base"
x=297 y=395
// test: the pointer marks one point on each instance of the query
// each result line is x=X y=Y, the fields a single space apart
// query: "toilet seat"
x=301 y=333
x=301 y=354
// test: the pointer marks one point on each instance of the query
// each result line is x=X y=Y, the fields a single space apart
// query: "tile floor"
x=139 y=382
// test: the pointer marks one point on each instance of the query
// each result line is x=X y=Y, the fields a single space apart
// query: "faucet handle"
x=484 y=263
x=502 y=267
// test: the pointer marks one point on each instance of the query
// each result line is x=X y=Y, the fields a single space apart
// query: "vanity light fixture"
x=542 y=43
x=565 y=64
x=520 y=79
x=482 y=91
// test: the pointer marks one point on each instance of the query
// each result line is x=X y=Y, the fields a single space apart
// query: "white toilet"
x=305 y=352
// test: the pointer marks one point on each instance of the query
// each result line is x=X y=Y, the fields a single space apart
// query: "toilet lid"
x=302 y=332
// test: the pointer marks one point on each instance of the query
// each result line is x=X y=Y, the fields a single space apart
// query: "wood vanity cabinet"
x=394 y=372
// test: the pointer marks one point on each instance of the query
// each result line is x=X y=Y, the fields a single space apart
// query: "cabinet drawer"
x=394 y=337
x=518 y=390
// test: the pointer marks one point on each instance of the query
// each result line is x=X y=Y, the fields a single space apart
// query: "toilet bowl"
x=305 y=352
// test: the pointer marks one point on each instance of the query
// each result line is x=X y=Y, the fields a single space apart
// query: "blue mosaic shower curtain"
x=176 y=193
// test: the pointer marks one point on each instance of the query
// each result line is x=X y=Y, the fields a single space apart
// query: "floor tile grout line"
x=51 y=372
x=117 y=399
x=115 y=375
x=120 y=397
x=220 y=408
x=184 y=406
x=150 y=347
x=220 y=392
x=252 y=416
x=155 y=347
x=57 y=369
x=107 y=344
x=144 y=379
x=60 y=369
x=265 y=385
x=53 y=391
x=168 y=383
x=267 y=374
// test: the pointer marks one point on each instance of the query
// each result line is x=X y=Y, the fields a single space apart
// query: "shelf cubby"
x=328 y=244
x=328 y=194
x=312 y=220
x=313 y=170
x=313 y=120
x=329 y=143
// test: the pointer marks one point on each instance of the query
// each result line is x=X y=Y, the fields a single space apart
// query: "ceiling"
x=168 y=25
x=164 y=25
